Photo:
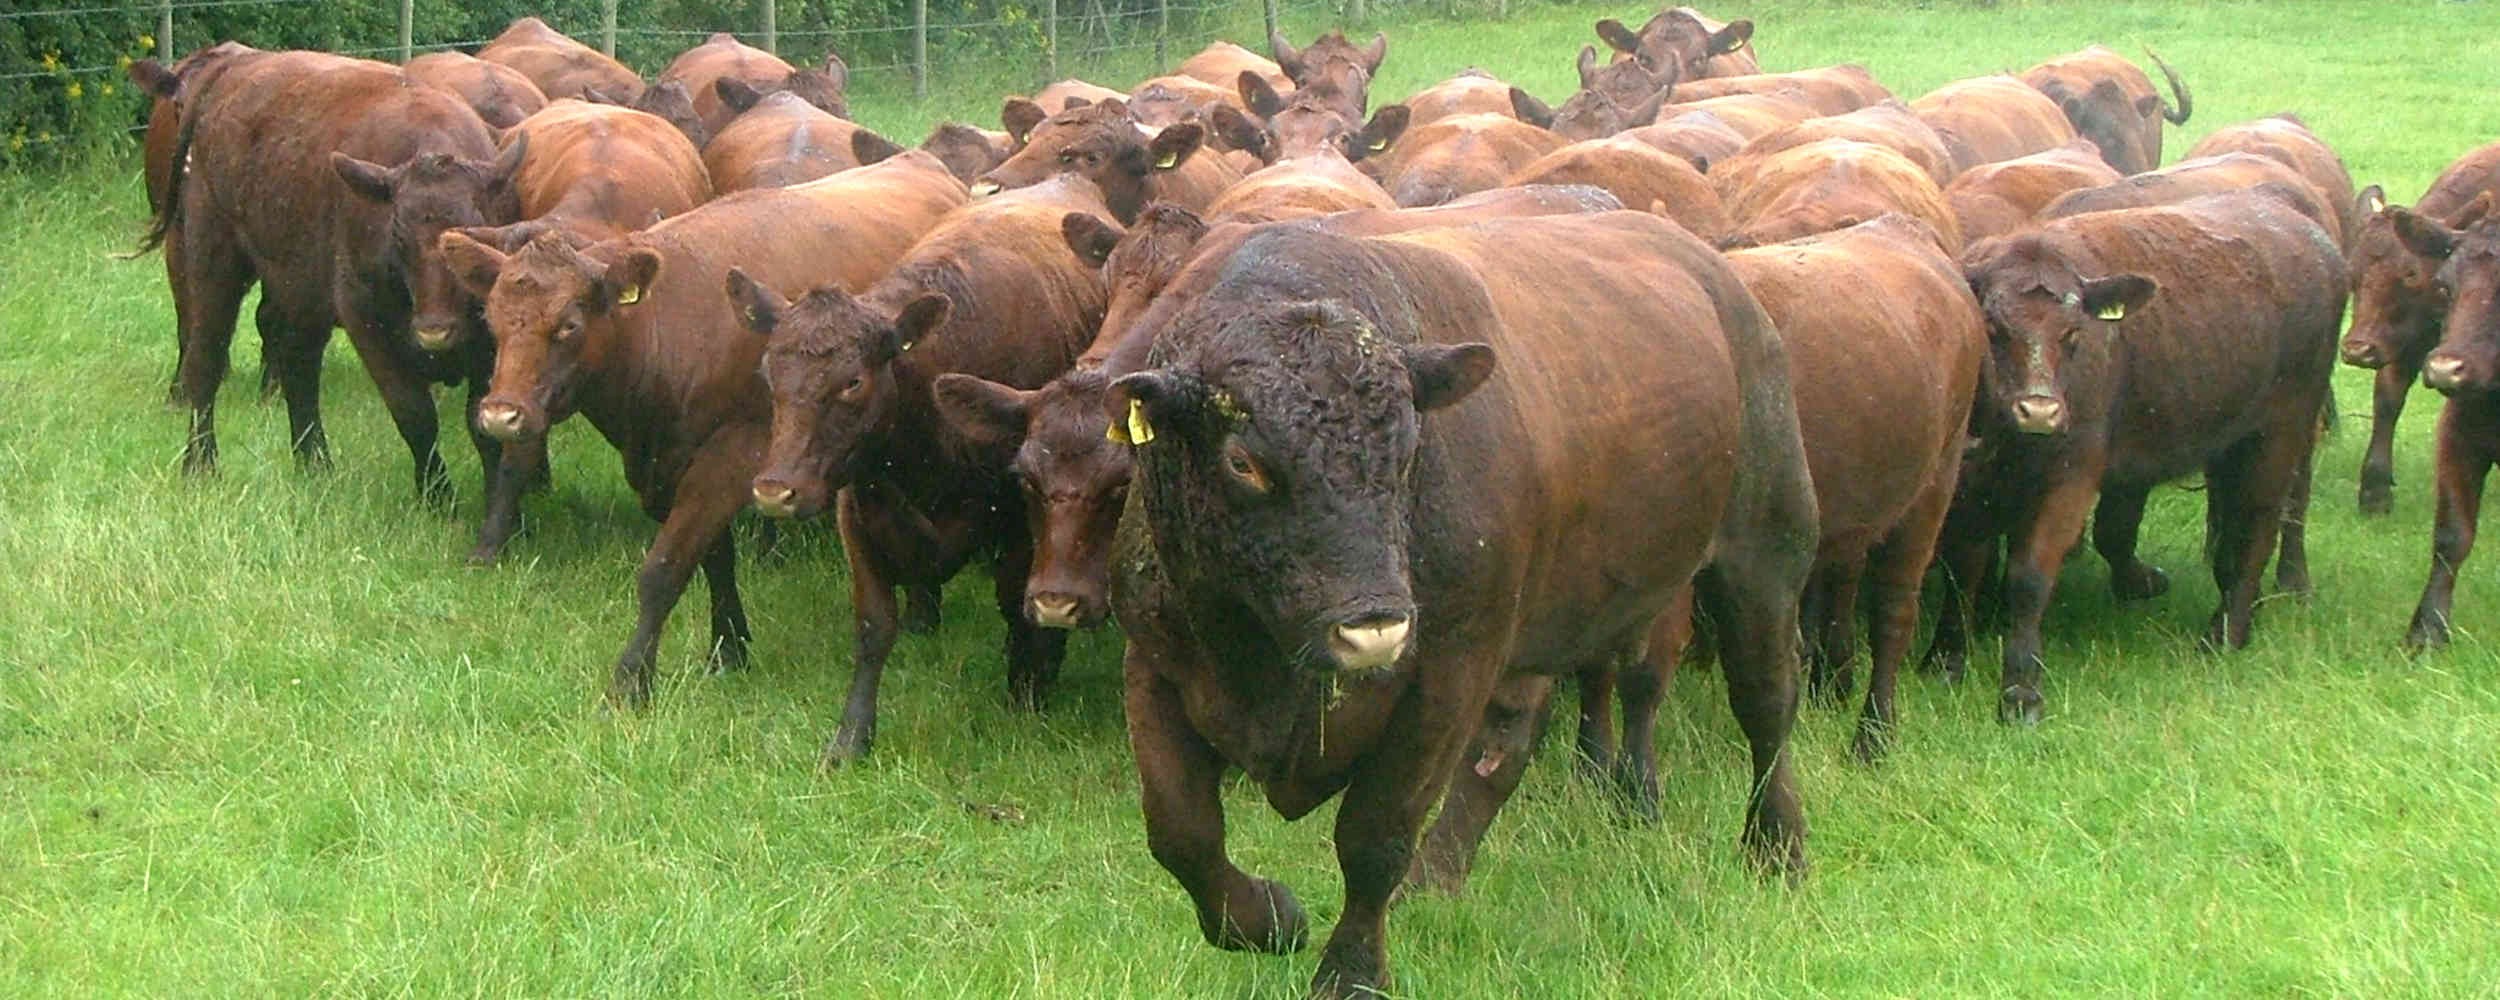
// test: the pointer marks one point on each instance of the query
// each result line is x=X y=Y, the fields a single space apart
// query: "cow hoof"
x=2295 y=583
x=199 y=460
x=1946 y=667
x=847 y=746
x=1269 y=921
x=2429 y=634
x=728 y=658
x=1873 y=740
x=2019 y=705
x=485 y=554
x=2139 y=582
x=625 y=696
x=1781 y=855
x=2378 y=500
x=920 y=617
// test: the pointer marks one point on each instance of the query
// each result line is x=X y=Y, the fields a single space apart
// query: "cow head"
x=2053 y=327
x=553 y=308
x=1332 y=64
x=966 y=151
x=430 y=194
x=822 y=87
x=1138 y=264
x=1307 y=126
x=1101 y=143
x=669 y=101
x=829 y=360
x=1157 y=105
x=2468 y=249
x=1589 y=114
x=1274 y=442
x=1676 y=39
x=2398 y=299
x=2104 y=114
x=1075 y=482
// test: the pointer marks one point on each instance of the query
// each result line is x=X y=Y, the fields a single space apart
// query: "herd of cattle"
x=1698 y=342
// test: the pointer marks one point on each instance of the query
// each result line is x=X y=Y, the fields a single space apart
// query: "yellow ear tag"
x=1740 y=45
x=628 y=295
x=1379 y=144
x=2113 y=312
x=1168 y=161
x=1137 y=430
x=2377 y=206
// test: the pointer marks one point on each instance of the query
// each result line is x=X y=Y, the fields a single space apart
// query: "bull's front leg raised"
x=1180 y=778
x=1394 y=787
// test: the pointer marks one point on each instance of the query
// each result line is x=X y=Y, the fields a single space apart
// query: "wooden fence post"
x=165 y=32
x=920 y=49
x=772 y=27
x=1271 y=18
x=1050 y=47
x=607 y=27
x=407 y=28
x=1163 y=30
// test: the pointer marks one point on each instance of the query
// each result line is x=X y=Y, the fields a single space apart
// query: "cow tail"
x=2178 y=88
x=169 y=214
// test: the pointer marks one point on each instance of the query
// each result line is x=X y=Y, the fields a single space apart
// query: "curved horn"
x=2177 y=86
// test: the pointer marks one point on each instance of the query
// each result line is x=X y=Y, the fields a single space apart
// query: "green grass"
x=263 y=733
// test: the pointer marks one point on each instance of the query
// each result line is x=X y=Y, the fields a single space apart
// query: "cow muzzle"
x=1369 y=643
x=502 y=420
x=2039 y=415
x=2444 y=372
x=1056 y=611
x=437 y=338
x=985 y=189
x=776 y=499
x=2363 y=353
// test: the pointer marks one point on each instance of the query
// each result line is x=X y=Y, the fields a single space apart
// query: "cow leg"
x=1967 y=547
x=730 y=633
x=2115 y=526
x=1753 y=609
x=920 y=608
x=1596 y=740
x=1377 y=822
x=206 y=302
x=508 y=474
x=1896 y=570
x=2387 y=402
x=2291 y=565
x=1835 y=647
x=291 y=352
x=411 y=402
x=174 y=276
x=1479 y=787
x=2467 y=429
x=1181 y=783
x=709 y=496
x=1643 y=686
x=1034 y=653
x=2248 y=493
x=2038 y=552
x=873 y=617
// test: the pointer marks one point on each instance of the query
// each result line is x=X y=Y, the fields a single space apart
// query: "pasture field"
x=263 y=733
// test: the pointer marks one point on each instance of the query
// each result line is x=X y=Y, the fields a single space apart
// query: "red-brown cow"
x=2195 y=178
x=1311 y=150
x=500 y=95
x=2465 y=368
x=1171 y=100
x=1072 y=93
x=1435 y=163
x=167 y=86
x=640 y=336
x=1471 y=92
x=726 y=76
x=1831 y=90
x=2287 y=139
x=2399 y=300
x=1890 y=124
x=1826 y=185
x=1696 y=46
x=1611 y=98
x=1991 y=119
x=1331 y=65
x=968 y=152
x=994 y=292
x=1698 y=138
x=1638 y=174
x=1101 y=143
x=1996 y=199
x=1222 y=63
x=560 y=66
x=784 y=140
x=2112 y=103
x=2131 y=348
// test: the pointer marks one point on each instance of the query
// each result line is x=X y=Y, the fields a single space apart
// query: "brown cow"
x=1102 y=144
x=994 y=292
x=639 y=335
x=1323 y=585
x=726 y=77
x=1890 y=124
x=2286 y=138
x=2399 y=300
x=2466 y=369
x=1695 y=46
x=1070 y=93
x=1880 y=308
x=500 y=95
x=560 y=66
x=2187 y=179
x=2131 y=348
x=2112 y=103
x=1826 y=185
x=1222 y=63
x=1588 y=114
x=1471 y=92
x=1991 y=119
x=1749 y=115
x=1831 y=90
x=968 y=152
x=1170 y=100
x=1636 y=173
x=1311 y=149
x=1698 y=138
x=1332 y=65
x=1996 y=199
x=1435 y=163
x=784 y=140
x=326 y=180
x=167 y=87
x=667 y=101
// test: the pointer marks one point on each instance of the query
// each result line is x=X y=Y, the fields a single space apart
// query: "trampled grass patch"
x=264 y=732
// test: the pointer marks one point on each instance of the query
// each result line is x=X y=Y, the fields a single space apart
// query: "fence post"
x=920 y=49
x=165 y=32
x=407 y=28
x=772 y=27
x=1271 y=18
x=1050 y=29
x=1163 y=30
x=607 y=27
x=1353 y=11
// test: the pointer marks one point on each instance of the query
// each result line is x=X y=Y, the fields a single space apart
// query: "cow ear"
x=1239 y=132
x=837 y=71
x=1020 y=116
x=738 y=94
x=1732 y=38
x=2474 y=212
x=473 y=262
x=1287 y=58
x=1375 y=53
x=759 y=308
x=2421 y=235
x=370 y=181
x=629 y=278
x=985 y=413
x=1258 y=95
x=2115 y=297
x=1142 y=405
x=1442 y=374
x=594 y=95
x=1382 y=131
x=2148 y=105
x=508 y=163
x=1617 y=37
x=1176 y=144
x=1089 y=236
x=1588 y=67
x=1113 y=106
x=920 y=318
x=2372 y=200
x=1074 y=102
x=152 y=76
x=1530 y=110
x=868 y=147
x=1647 y=113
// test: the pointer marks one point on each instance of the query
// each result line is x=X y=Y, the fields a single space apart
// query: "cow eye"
x=1243 y=468
x=854 y=389
x=2070 y=337
x=567 y=330
x=1068 y=156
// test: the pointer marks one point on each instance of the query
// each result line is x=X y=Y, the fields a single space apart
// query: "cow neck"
x=912 y=453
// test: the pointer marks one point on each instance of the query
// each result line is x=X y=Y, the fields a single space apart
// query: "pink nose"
x=2443 y=373
x=2039 y=415
x=2362 y=354
x=776 y=500
x=499 y=420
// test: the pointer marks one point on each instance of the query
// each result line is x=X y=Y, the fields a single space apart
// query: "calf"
x=2286 y=139
x=1831 y=90
x=641 y=336
x=784 y=140
x=1636 y=173
x=2399 y=300
x=1991 y=119
x=1695 y=46
x=726 y=76
x=1826 y=185
x=1435 y=163
x=994 y=292
x=560 y=66
x=500 y=95
x=1324 y=586
x=1997 y=199
x=2131 y=348
x=2465 y=368
x=1100 y=143
x=2112 y=103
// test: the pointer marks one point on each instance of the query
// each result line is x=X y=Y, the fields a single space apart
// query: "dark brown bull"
x=2112 y=103
x=2465 y=368
x=1472 y=92
x=2195 y=178
x=2287 y=139
x=1436 y=163
x=560 y=66
x=1991 y=119
x=1102 y=144
x=1997 y=199
x=1889 y=124
x=326 y=180
x=1878 y=308
x=994 y=292
x=1830 y=90
x=784 y=140
x=1826 y=185
x=640 y=336
x=500 y=95
x=2131 y=348
x=1638 y=174
x=726 y=77
x=2400 y=300
x=1346 y=529
x=1696 y=46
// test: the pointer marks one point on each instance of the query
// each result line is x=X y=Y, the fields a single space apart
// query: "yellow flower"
x=76 y=91
x=43 y=137
x=17 y=142
x=106 y=90
x=147 y=42
x=51 y=61
x=122 y=62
